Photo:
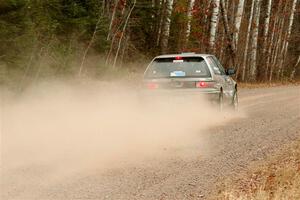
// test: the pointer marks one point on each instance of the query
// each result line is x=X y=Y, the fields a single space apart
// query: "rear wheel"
x=235 y=102
x=221 y=101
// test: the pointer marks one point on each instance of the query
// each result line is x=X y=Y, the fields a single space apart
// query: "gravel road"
x=272 y=120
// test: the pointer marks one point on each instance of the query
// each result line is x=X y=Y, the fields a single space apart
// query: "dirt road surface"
x=272 y=120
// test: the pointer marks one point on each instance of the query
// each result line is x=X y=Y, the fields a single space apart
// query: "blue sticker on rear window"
x=177 y=73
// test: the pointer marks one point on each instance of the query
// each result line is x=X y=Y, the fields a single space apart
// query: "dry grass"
x=279 y=179
x=267 y=84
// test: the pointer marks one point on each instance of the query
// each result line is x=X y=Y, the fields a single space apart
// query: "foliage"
x=40 y=37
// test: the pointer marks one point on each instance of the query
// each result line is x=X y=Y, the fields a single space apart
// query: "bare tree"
x=244 y=63
x=122 y=34
x=112 y=19
x=237 y=21
x=292 y=76
x=270 y=49
x=159 y=5
x=278 y=40
x=190 y=16
x=90 y=43
x=213 y=24
x=230 y=43
x=286 y=42
x=266 y=26
x=253 y=58
x=165 y=28
x=276 y=48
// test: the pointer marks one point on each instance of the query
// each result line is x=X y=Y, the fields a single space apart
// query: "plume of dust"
x=75 y=127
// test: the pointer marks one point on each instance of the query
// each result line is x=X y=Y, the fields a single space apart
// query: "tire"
x=221 y=101
x=235 y=101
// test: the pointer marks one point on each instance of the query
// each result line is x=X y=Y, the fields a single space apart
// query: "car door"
x=228 y=81
x=218 y=73
x=221 y=76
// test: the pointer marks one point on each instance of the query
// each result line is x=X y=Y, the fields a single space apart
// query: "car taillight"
x=201 y=84
x=152 y=86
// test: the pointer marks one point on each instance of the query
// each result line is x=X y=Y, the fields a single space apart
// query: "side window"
x=221 y=68
x=214 y=65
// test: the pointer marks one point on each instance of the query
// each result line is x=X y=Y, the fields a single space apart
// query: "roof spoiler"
x=188 y=53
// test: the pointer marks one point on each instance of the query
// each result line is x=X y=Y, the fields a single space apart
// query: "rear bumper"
x=203 y=93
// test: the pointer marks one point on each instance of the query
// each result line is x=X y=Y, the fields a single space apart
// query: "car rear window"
x=179 y=67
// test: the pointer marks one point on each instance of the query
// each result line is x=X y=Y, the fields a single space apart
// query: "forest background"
x=96 y=38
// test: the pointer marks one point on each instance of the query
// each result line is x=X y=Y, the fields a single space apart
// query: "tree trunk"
x=213 y=24
x=190 y=16
x=253 y=58
x=158 y=6
x=279 y=40
x=165 y=28
x=124 y=50
x=292 y=76
x=281 y=55
x=221 y=51
x=247 y=41
x=270 y=46
x=230 y=41
x=286 y=43
x=237 y=22
x=122 y=34
x=277 y=45
x=112 y=20
x=266 y=26
x=205 y=25
x=89 y=44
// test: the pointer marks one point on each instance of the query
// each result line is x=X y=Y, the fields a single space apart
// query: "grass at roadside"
x=279 y=179
x=267 y=84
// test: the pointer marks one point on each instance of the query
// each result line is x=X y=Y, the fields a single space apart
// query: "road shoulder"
x=278 y=178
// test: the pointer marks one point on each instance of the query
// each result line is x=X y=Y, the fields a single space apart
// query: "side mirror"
x=230 y=71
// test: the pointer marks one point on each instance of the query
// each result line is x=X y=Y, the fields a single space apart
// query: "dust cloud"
x=72 y=127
